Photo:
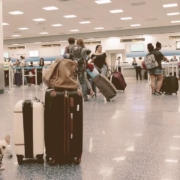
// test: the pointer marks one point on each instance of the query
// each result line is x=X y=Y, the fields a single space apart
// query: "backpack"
x=150 y=62
x=75 y=52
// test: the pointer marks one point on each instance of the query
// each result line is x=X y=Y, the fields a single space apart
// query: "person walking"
x=83 y=75
x=99 y=59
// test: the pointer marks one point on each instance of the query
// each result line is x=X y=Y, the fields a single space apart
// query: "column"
x=1 y=53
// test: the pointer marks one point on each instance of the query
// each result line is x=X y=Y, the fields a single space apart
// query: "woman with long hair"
x=99 y=59
x=156 y=74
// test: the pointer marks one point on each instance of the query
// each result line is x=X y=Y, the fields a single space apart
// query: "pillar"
x=1 y=53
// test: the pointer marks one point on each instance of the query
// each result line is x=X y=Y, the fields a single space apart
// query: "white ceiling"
x=151 y=14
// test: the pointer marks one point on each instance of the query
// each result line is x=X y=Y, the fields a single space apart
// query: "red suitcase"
x=118 y=81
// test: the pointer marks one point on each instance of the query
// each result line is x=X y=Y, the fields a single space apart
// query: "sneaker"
x=158 y=93
x=154 y=93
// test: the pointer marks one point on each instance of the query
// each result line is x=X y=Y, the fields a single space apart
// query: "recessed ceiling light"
x=5 y=24
x=173 y=14
x=16 y=35
x=99 y=28
x=16 y=12
x=50 y=8
x=39 y=19
x=126 y=18
x=171 y=160
x=74 y=30
x=70 y=16
x=178 y=21
x=56 y=25
x=63 y=41
x=85 y=22
x=44 y=33
x=24 y=28
x=116 y=11
x=133 y=25
x=103 y=1
x=170 y=5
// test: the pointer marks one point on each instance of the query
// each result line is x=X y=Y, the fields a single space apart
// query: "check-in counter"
x=168 y=68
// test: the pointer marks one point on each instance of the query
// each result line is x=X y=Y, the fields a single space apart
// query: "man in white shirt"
x=118 y=64
x=174 y=58
x=138 y=64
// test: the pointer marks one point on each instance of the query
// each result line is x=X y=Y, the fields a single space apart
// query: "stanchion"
x=43 y=85
x=36 y=77
x=11 y=87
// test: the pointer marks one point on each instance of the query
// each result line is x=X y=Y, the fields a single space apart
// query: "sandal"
x=92 y=95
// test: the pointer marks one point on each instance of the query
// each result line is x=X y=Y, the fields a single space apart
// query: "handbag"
x=61 y=75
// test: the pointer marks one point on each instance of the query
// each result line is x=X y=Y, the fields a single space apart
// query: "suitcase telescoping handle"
x=71 y=125
x=36 y=99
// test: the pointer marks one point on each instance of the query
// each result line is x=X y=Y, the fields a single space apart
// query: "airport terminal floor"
x=136 y=136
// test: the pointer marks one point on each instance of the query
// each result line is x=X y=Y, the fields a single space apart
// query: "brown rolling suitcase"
x=105 y=86
x=63 y=126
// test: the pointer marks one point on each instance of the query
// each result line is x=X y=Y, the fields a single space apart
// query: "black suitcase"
x=170 y=85
x=63 y=126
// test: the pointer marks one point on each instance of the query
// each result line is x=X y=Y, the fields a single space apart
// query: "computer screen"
x=33 y=54
x=6 y=55
x=178 y=45
x=137 y=47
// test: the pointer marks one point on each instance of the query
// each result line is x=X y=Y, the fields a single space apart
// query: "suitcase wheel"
x=40 y=159
x=20 y=159
x=78 y=159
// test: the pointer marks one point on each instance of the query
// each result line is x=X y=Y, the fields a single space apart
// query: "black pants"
x=138 y=73
x=119 y=69
x=6 y=77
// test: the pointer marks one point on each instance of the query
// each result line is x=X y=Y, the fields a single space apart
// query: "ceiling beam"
x=102 y=34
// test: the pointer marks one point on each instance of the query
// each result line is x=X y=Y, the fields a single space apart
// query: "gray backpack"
x=75 y=52
x=150 y=62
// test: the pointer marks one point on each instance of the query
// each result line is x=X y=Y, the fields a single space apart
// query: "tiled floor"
x=134 y=137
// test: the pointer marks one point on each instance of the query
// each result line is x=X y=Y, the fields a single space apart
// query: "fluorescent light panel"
x=5 y=24
x=99 y=28
x=15 y=44
x=103 y=1
x=85 y=22
x=50 y=8
x=178 y=21
x=16 y=12
x=44 y=33
x=70 y=16
x=56 y=25
x=173 y=14
x=39 y=19
x=74 y=30
x=116 y=11
x=170 y=5
x=23 y=28
x=16 y=35
x=134 y=25
x=126 y=18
